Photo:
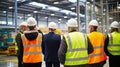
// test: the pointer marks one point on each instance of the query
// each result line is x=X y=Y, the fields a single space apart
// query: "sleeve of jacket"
x=90 y=47
x=62 y=51
x=19 y=44
x=43 y=45
x=106 y=45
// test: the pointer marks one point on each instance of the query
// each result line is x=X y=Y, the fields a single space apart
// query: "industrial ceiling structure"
x=58 y=8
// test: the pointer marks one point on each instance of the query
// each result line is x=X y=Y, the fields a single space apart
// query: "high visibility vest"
x=32 y=52
x=97 y=40
x=16 y=47
x=77 y=53
x=114 y=43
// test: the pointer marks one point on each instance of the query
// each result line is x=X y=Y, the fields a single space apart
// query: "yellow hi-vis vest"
x=32 y=51
x=114 y=43
x=97 y=41
x=77 y=45
x=16 y=47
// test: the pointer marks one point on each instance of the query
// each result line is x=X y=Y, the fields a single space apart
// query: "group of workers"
x=75 y=49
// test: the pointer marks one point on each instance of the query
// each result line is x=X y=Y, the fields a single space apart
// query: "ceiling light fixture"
x=56 y=3
x=4 y=11
x=52 y=14
x=35 y=11
x=53 y=8
x=38 y=4
x=10 y=7
x=72 y=8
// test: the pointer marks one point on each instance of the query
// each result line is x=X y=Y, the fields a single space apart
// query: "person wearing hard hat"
x=31 y=47
x=112 y=45
x=98 y=57
x=23 y=27
x=74 y=47
x=51 y=45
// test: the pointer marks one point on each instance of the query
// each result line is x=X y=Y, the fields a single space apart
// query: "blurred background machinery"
x=7 y=43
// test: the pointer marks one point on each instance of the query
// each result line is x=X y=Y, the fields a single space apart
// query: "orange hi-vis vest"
x=32 y=52
x=97 y=41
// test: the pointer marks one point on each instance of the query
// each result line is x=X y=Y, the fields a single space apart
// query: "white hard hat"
x=72 y=23
x=115 y=24
x=31 y=21
x=93 y=23
x=23 y=24
x=52 y=25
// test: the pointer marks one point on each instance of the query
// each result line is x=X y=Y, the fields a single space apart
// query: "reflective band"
x=114 y=50
x=39 y=40
x=31 y=45
x=114 y=44
x=92 y=55
x=85 y=40
x=69 y=41
x=76 y=59
x=32 y=53
x=96 y=47
x=111 y=39
x=78 y=49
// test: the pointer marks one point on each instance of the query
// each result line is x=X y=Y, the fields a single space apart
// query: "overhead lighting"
x=46 y=17
x=110 y=18
x=56 y=3
x=88 y=2
x=54 y=8
x=35 y=11
x=10 y=7
x=65 y=17
x=72 y=8
x=118 y=6
x=52 y=14
x=4 y=11
x=104 y=9
x=38 y=4
x=59 y=19
x=73 y=1
x=20 y=17
x=29 y=15
x=59 y=22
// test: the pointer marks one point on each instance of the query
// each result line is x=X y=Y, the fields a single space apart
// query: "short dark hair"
x=95 y=28
x=31 y=27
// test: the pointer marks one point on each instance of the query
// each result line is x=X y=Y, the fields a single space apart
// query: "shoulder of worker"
x=31 y=35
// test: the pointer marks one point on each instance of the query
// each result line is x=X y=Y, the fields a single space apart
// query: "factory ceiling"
x=26 y=6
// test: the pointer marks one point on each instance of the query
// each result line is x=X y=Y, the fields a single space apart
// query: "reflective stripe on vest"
x=32 y=49
x=76 y=53
x=97 y=41
x=114 y=43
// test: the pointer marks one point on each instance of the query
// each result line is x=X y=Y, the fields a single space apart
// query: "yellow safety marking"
x=8 y=60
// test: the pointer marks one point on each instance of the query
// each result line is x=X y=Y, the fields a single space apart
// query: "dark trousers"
x=101 y=64
x=19 y=60
x=55 y=64
x=32 y=64
x=114 y=61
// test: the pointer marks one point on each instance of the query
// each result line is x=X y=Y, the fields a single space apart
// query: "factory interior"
x=13 y=12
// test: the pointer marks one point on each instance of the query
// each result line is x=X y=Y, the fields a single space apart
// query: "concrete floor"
x=11 y=61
